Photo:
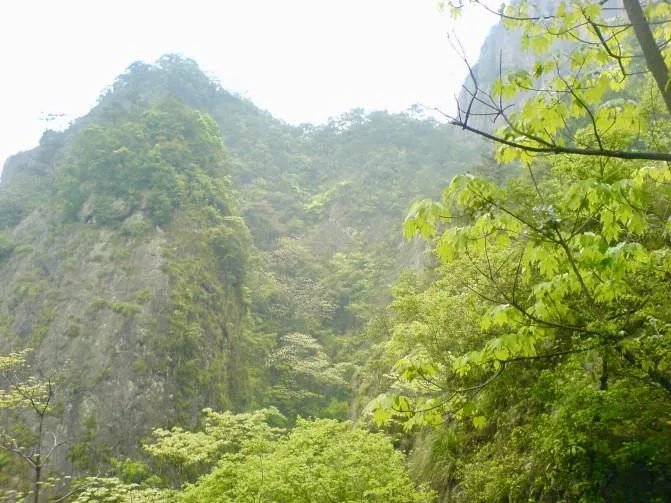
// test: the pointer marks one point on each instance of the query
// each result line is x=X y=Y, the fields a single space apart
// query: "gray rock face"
x=93 y=303
x=101 y=306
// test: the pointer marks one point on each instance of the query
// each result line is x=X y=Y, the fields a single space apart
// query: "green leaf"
x=479 y=422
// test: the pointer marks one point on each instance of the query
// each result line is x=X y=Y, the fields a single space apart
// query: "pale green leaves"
x=423 y=217
x=223 y=433
x=22 y=392
x=553 y=257
x=657 y=174
x=497 y=316
x=565 y=98
x=479 y=422
x=113 y=490
x=13 y=360
x=302 y=357
x=415 y=366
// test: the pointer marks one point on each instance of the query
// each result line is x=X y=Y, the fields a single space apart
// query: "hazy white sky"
x=303 y=60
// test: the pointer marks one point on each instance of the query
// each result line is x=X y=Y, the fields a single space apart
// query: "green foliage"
x=125 y=308
x=551 y=421
x=85 y=453
x=159 y=160
x=206 y=266
x=318 y=461
x=247 y=457
x=320 y=202
x=323 y=205
x=14 y=206
x=113 y=490
x=135 y=226
x=584 y=90
x=143 y=296
x=26 y=182
x=161 y=167
x=41 y=324
x=539 y=347
x=305 y=380
x=184 y=456
x=133 y=472
x=7 y=246
x=26 y=406
x=99 y=304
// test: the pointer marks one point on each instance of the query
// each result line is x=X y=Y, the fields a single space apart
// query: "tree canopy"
x=543 y=348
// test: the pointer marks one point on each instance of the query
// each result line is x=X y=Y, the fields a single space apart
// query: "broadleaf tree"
x=562 y=272
x=28 y=435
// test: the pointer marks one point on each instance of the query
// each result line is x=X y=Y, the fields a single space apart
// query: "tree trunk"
x=36 y=488
x=653 y=56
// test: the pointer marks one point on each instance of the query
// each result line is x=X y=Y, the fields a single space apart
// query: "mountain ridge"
x=177 y=234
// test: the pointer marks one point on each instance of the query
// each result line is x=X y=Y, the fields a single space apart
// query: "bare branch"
x=559 y=149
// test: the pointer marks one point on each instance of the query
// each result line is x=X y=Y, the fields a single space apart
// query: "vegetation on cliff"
x=228 y=276
x=203 y=255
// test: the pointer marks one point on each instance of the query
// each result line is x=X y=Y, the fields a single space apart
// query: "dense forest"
x=199 y=302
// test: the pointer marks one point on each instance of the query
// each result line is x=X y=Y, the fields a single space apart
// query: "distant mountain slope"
x=125 y=266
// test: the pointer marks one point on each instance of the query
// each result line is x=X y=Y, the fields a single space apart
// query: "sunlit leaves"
x=497 y=316
x=21 y=392
x=113 y=490
x=303 y=358
x=323 y=460
x=561 y=259
x=222 y=434
x=583 y=57
x=423 y=217
x=13 y=360
x=479 y=422
x=567 y=271
x=415 y=366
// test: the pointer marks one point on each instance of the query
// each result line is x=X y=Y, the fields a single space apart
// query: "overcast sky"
x=302 y=60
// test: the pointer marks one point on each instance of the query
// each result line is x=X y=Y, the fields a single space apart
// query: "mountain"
x=177 y=248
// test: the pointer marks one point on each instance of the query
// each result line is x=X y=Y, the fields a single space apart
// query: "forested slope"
x=210 y=293
x=178 y=248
